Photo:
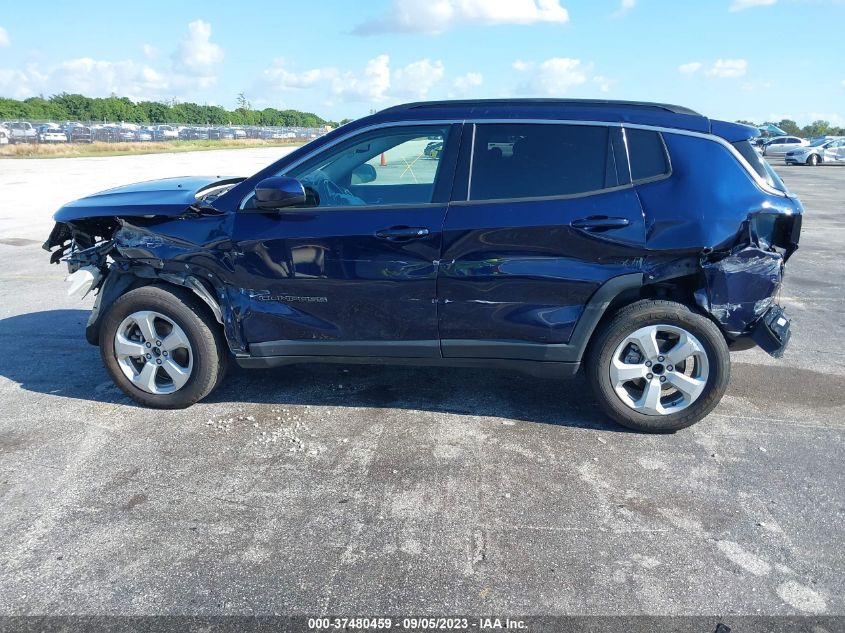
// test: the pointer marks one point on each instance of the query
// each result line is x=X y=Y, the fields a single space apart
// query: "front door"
x=352 y=273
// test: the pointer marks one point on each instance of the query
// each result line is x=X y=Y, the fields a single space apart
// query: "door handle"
x=599 y=223
x=402 y=233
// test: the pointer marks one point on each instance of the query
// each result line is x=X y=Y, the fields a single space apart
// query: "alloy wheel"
x=153 y=352
x=659 y=370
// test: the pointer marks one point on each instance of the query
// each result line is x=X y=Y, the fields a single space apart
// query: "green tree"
x=790 y=127
x=114 y=109
x=816 y=128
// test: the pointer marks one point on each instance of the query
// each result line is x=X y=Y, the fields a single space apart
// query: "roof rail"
x=575 y=103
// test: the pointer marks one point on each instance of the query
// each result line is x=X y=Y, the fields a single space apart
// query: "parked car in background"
x=105 y=133
x=126 y=134
x=51 y=133
x=21 y=132
x=538 y=259
x=780 y=145
x=4 y=135
x=165 y=133
x=239 y=132
x=433 y=149
x=78 y=133
x=221 y=133
x=143 y=135
x=824 y=150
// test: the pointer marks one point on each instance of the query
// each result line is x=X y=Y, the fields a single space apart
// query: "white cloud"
x=728 y=68
x=416 y=79
x=843 y=83
x=624 y=7
x=522 y=65
x=193 y=67
x=466 y=84
x=602 y=83
x=150 y=51
x=741 y=5
x=436 y=16
x=370 y=85
x=197 y=54
x=375 y=83
x=553 y=77
x=690 y=68
x=4 y=37
x=87 y=76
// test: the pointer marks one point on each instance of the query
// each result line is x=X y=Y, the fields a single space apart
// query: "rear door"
x=542 y=215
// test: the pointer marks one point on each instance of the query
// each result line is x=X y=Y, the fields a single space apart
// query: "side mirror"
x=278 y=192
x=363 y=174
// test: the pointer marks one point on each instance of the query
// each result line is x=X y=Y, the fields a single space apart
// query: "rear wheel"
x=162 y=348
x=656 y=366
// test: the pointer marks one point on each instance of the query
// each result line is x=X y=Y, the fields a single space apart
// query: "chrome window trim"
x=471 y=162
x=758 y=180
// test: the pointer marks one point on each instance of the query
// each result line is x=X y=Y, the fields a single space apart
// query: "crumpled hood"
x=165 y=197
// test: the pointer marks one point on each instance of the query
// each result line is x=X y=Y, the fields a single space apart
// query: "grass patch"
x=71 y=150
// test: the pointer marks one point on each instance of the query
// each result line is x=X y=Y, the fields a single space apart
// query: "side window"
x=647 y=154
x=393 y=165
x=538 y=160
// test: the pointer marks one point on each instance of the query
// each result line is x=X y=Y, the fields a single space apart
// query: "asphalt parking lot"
x=369 y=490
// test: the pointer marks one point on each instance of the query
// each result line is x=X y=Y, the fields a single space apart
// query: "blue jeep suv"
x=638 y=241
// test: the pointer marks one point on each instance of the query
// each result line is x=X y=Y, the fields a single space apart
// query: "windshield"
x=819 y=142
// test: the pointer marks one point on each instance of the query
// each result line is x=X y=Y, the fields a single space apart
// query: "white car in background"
x=780 y=145
x=4 y=135
x=823 y=150
x=51 y=134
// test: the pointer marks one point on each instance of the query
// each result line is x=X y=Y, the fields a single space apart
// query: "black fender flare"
x=119 y=282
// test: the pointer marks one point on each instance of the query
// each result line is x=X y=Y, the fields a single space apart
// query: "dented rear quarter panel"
x=706 y=201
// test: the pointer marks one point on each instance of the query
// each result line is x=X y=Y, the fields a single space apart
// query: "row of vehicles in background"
x=799 y=151
x=73 y=132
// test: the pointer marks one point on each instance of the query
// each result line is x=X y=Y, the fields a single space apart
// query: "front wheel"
x=813 y=160
x=162 y=348
x=656 y=366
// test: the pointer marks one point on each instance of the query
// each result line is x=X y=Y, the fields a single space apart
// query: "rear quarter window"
x=647 y=154
x=759 y=165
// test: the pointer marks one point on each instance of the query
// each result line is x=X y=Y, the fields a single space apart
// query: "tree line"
x=76 y=107
x=814 y=129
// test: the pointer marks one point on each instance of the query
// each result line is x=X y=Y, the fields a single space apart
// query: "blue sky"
x=731 y=59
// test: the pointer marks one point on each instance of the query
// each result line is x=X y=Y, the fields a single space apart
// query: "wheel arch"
x=119 y=282
x=623 y=291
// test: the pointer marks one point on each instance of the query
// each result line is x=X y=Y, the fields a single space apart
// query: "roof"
x=633 y=112
x=605 y=104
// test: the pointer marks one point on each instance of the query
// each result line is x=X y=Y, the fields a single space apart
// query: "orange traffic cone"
x=383 y=160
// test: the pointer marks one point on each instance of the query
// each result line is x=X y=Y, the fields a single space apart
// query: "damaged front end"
x=741 y=286
x=162 y=231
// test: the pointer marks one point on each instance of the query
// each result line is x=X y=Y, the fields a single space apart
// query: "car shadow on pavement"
x=71 y=368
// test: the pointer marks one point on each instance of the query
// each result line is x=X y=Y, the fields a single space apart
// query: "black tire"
x=657 y=312
x=813 y=160
x=210 y=353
